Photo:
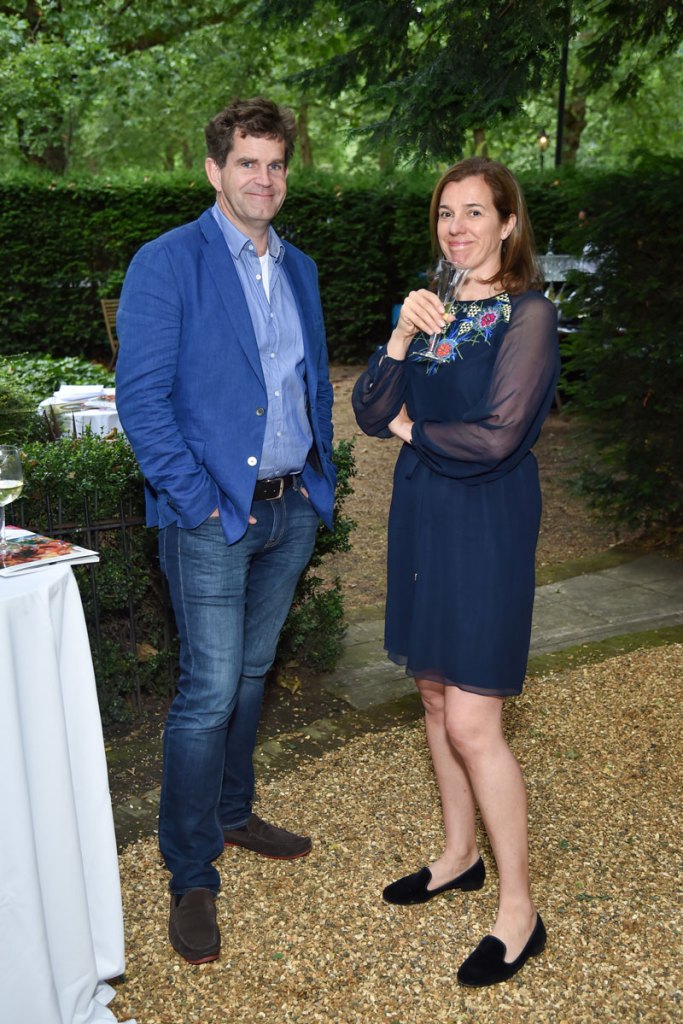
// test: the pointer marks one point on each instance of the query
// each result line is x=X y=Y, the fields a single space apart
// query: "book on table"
x=27 y=551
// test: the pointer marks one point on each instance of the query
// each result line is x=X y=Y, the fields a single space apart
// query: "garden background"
x=102 y=108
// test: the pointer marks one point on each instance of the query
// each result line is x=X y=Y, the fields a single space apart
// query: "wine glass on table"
x=11 y=484
x=449 y=281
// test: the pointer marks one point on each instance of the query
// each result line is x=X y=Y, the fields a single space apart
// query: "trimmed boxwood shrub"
x=624 y=365
x=371 y=243
x=369 y=239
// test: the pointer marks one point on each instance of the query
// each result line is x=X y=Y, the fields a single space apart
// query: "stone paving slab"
x=644 y=594
x=376 y=681
x=646 y=570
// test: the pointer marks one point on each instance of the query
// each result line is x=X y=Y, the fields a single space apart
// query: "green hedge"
x=68 y=244
x=624 y=365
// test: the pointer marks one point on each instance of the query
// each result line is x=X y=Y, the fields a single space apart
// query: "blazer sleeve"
x=149 y=329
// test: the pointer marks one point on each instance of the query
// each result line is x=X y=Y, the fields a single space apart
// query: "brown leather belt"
x=274 y=488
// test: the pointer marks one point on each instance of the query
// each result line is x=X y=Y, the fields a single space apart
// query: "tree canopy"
x=429 y=73
x=104 y=84
x=436 y=72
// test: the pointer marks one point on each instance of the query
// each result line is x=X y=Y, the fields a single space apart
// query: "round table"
x=61 y=920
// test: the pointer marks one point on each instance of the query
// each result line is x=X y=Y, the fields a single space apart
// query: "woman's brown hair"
x=518 y=267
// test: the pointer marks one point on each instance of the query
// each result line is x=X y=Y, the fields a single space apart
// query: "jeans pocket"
x=297 y=487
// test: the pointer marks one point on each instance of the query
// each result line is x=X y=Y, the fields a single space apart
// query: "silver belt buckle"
x=281 y=491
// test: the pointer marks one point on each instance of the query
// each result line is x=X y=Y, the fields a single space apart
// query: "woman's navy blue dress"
x=466 y=504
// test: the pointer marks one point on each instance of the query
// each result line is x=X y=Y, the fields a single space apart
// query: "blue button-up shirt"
x=275 y=318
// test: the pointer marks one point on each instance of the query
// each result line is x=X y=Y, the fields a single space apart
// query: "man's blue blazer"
x=189 y=386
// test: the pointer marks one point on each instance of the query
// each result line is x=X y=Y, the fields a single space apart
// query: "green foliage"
x=101 y=86
x=88 y=482
x=626 y=28
x=96 y=87
x=624 y=366
x=314 y=631
x=334 y=227
x=18 y=419
x=73 y=472
x=88 y=235
x=430 y=73
x=338 y=538
x=40 y=376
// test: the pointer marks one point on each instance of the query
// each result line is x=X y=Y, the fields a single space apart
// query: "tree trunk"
x=188 y=162
x=480 y=144
x=304 y=139
x=574 y=124
x=53 y=157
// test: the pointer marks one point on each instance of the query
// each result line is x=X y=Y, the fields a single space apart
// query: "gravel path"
x=312 y=941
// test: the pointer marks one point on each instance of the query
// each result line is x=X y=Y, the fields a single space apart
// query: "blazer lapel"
x=226 y=279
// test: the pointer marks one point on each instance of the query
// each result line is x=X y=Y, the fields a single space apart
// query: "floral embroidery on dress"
x=474 y=322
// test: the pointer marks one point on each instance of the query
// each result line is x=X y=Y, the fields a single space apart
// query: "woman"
x=463 y=527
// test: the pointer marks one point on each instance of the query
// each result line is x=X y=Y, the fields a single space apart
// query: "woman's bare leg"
x=474 y=727
x=460 y=850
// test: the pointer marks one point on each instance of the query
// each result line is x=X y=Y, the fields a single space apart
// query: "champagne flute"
x=449 y=280
x=11 y=484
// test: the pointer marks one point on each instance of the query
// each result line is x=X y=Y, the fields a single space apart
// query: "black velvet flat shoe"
x=413 y=888
x=486 y=964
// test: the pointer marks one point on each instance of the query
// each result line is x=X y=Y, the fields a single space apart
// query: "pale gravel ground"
x=312 y=941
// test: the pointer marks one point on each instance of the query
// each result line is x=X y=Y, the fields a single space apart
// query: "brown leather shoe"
x=260 y=837
x=192 y=927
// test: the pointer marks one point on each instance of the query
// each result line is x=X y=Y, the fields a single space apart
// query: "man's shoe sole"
x=202 y=960
x=271 y=856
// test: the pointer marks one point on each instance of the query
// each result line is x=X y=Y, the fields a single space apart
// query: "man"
x=223 y=390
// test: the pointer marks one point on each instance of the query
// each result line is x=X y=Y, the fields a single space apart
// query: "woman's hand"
x=402 y=426
x=421 y=311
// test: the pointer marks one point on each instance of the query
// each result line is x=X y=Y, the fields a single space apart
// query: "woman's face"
x=469 y=227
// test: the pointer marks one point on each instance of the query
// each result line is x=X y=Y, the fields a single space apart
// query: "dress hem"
x=435 y=676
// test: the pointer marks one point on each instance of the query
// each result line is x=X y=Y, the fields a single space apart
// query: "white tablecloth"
x=555 y=267
x=61 y=921
x=100 y=421
x=76 y=418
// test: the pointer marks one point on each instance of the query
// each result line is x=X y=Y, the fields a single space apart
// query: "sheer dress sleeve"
x=495 y=433
x=379 y=393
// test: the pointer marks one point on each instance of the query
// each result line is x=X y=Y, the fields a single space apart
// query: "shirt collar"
x=238 y=241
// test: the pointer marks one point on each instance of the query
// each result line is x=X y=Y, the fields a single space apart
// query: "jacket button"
x=252 y=460
x=260 y=411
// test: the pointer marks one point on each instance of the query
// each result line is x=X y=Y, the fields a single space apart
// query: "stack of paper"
x=78 y=392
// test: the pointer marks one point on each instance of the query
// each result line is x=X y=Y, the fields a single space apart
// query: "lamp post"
x=543 y=143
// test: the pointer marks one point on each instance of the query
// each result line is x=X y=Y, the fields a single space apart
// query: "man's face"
x=252 y=185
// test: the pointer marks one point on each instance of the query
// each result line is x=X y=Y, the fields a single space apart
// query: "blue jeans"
x=230 y=603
